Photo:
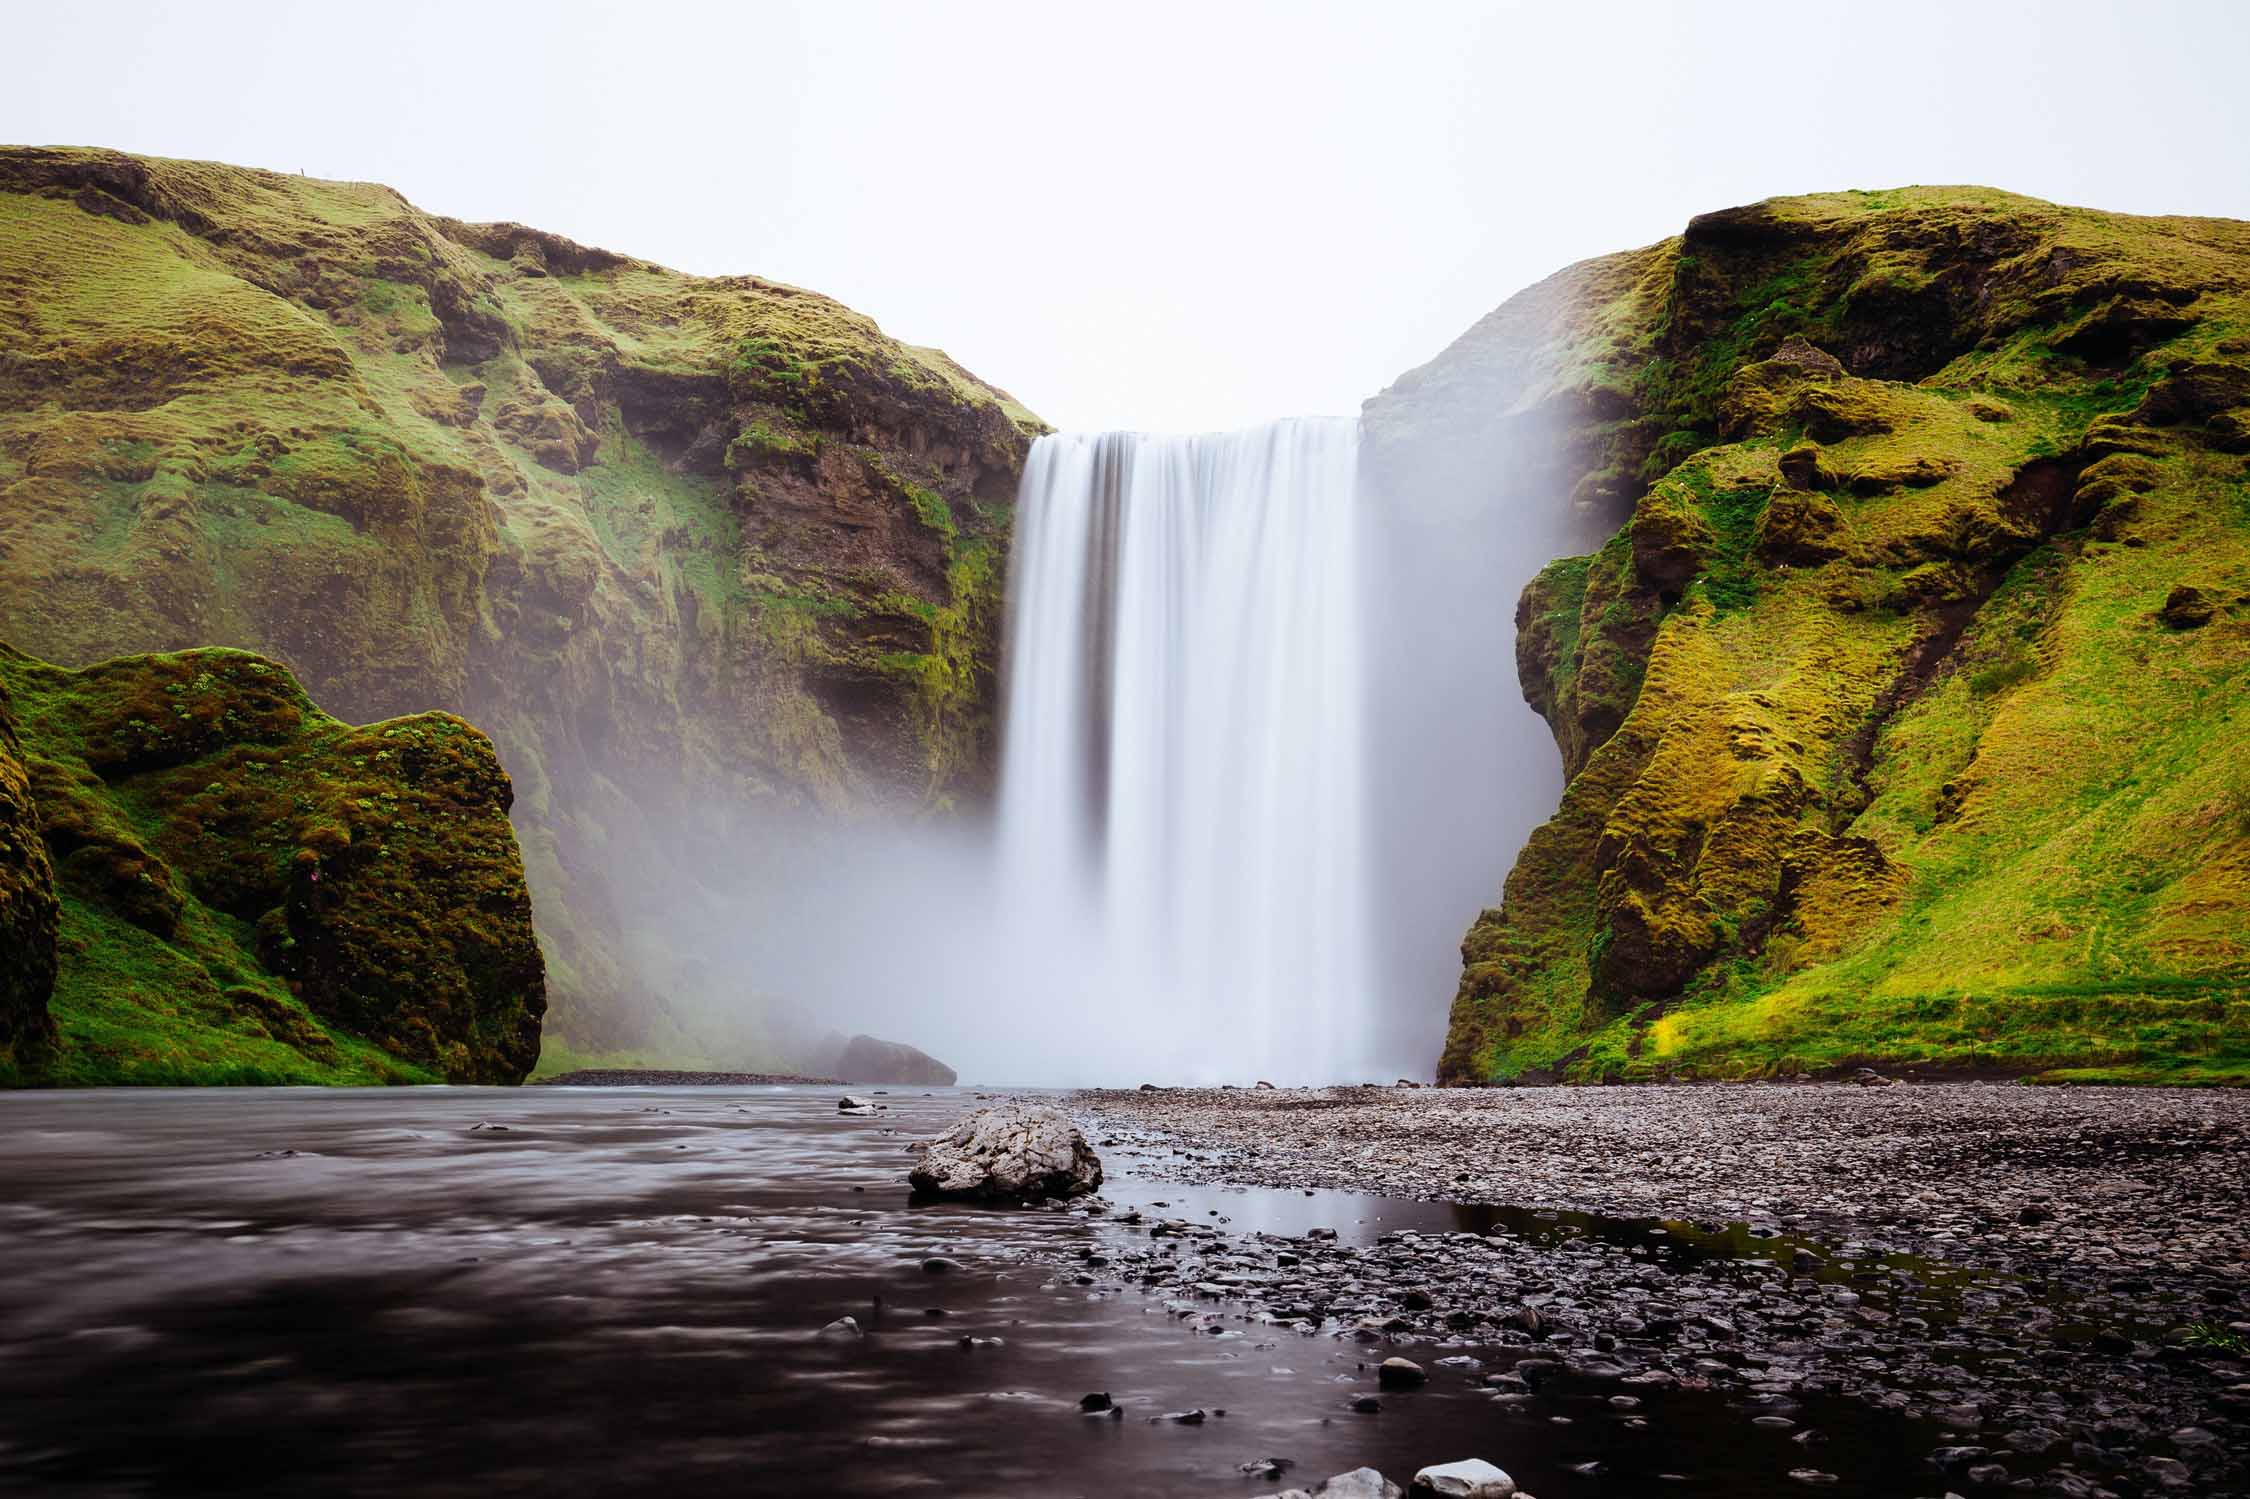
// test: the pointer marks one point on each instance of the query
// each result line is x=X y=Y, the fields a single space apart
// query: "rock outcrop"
x=1008 y=1153
x=1893 y=704
x=251 y=891
x=28 y=910
x=865 y=1059
x=699 y=553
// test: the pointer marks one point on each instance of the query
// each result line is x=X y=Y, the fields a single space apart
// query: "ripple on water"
x=573 y=1303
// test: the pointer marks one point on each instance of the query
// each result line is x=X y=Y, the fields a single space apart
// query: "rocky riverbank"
x=2048 y=1286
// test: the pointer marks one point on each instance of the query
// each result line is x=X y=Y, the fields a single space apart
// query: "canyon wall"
x=1903 y=708
x=702 y=555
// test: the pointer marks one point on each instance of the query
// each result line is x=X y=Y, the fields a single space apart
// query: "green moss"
x=430 y=463
x=255 y=892
x=1914 y=772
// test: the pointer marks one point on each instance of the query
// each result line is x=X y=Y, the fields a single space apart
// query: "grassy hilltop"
x=683 y=546
x=1907 y=712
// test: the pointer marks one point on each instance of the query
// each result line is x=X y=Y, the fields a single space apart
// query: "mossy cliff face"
x=1904 y=709
x=252 y=891
x=27 y=909
x=683 y=546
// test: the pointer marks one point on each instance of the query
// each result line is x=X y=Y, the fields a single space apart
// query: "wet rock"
x=1470 y=1478
x=1009 y=1152
x=1813 y=1476
x=843 y=1329
x=1265 y=1467
x=938 y=1264
x=1954 y=1459
x=1400 y=1374
x=1096 y=1402
x=1193 y=1417
x=1367 y=1405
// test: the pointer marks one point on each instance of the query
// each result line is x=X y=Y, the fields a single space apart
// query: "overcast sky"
x=1153 y=215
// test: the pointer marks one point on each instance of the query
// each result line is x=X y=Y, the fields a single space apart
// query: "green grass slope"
x=1906 y=711
x=253 y=892
x=683 y=546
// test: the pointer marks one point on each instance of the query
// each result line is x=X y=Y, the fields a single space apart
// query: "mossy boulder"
x=252 y=890
x=1900 y=709
x=697 y=551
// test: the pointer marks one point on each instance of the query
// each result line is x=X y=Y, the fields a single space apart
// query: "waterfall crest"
x=1182 y=779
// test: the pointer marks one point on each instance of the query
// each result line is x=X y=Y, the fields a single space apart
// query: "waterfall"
x=1182 y=872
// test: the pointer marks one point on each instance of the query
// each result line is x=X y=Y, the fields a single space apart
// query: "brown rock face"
x=696 y=551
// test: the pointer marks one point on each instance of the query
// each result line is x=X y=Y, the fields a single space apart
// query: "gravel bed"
x=2050 y=1285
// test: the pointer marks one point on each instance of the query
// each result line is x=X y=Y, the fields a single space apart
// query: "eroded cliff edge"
x=693 y=551
x=1904 y=709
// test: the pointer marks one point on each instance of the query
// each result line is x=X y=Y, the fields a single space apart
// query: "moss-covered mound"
x=1906 y=711
x=27 y=907
x=682 y=545
x=251 y=891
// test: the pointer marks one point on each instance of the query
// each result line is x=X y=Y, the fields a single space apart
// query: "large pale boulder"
x=1009 y=1153
x=1470 y=1478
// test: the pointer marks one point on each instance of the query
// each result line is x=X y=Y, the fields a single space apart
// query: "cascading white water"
x=1182 y=779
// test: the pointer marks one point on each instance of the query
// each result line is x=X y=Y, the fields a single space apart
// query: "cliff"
x=247 y=889
x=696 y=552
x=1903 y=707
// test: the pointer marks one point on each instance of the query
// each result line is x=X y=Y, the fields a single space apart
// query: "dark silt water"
x=595 y=1292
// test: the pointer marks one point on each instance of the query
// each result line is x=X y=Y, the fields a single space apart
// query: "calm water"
x=622 y=1291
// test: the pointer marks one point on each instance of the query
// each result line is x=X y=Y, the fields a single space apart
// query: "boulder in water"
x=866 y=1059
x=1470 y=1478
x=1011 y=1152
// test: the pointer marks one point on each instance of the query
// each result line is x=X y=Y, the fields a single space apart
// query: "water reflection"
x=457 y=1291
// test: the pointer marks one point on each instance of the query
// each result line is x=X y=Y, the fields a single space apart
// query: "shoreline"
x=2048 y=1282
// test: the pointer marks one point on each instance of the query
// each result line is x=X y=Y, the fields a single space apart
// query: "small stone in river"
x=1811 y=1475
x=1400 y=1374
x=842 y=1327
x=1096 y=1402
x=1470 y=1478
x=1367 y=1405
x=938 y=1264
x=1181 y=1418
x=1265 y=1467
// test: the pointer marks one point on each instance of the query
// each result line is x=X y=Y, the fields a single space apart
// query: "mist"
x=1248 y=802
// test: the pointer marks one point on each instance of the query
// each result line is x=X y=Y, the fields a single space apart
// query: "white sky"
x=1148 y=214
